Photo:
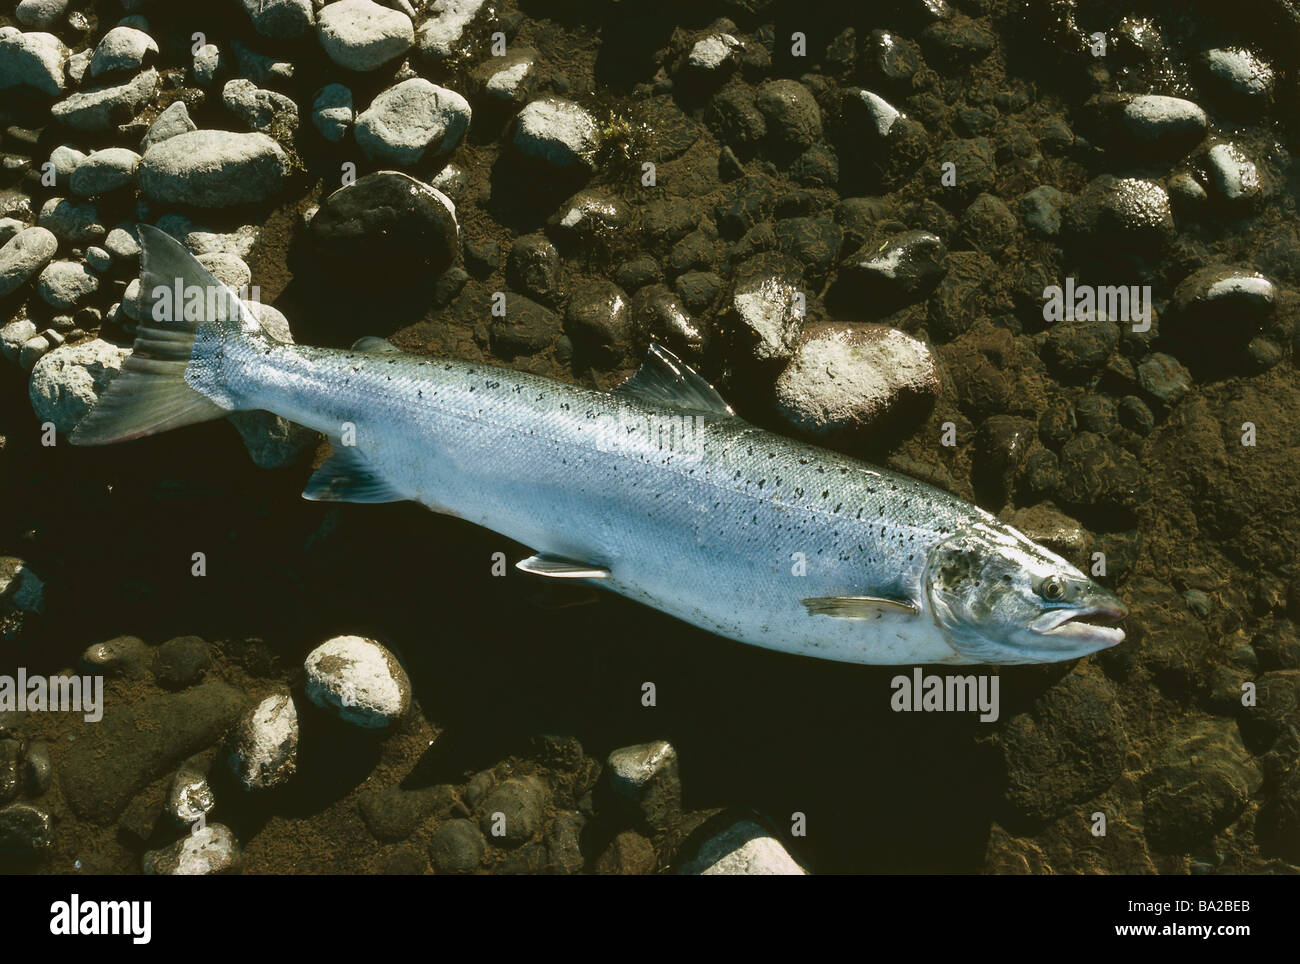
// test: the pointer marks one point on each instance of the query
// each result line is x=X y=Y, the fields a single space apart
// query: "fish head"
x=999 y=597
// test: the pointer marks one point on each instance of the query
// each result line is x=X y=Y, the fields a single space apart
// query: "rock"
x=213 y=169
x=394 y=813
x=26 y=831
x=361 y=35
x=264 y=745
x=280 y=19
x=272 y=441
x=181 y=662
x=120 y=656
x=104 y=171
x=411 y=122
x=597 y=320
x=1233 y=175
x=814 y=242
x=386 y=221
x=206 y=63
x=452 y=181
x=1129 y=211
x=22 y=595
x=441 y=36
x=900 y=270
x=1201 y=784
x=40 y=14
x=1166 y=122
x=139 y=742
x=122 y=245
x=230 y=269
x=533 y=266
x=988 y=225
x=259 y=68
x=13 y=762
x=64 y=284
x=40 y=768
x=202 y=240
x=591 y=216
x=358 y=681
x=98 y=259
x=744 y=848
x=1001 y=446
x=628 y=853
x=32 y=351
x=189 y=798
x=14 y=335
x=23 y=257
x=509 y=80
x=33 y=60
x=975 y=163
x=73 y=222
x=104 y=108
x=646 y=778
x=1096 y=471
x=332 y=112
x=845 y=378
x=1164 y=378
x=557 y=132
x=122 y=49
x=658 y=315
x=513 y=813
x=262 y=110
x=1041 y=210
x=712 y=53
x=67 y=382
x=9 y=228
x=1077 y=348
x=1222 y=296
x=790 y=111
x=959 y=40
x=1240 y=72
x=211 y=849
x=769 y=306
x=527 y=328
x=457 y=847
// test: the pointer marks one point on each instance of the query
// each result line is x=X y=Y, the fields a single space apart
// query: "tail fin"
x=151 y=395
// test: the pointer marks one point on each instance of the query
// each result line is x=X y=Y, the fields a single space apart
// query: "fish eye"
x=1051 y=587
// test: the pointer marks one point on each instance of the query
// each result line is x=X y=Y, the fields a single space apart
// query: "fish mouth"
x=1089 y=625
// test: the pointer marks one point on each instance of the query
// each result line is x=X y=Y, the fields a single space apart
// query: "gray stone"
x=442 y=34
x=411 y=122
x=65 y=160
x=40 y=768
x=9 y=229
x=557 y=132
x=457 y=847
x=98 y=259
x=769 y=306
x=901 y=269
x=513 y=813
x=174 y=120
x=791 y=112
x=67 y=382
x=75 y=223
x=264 y=746
x=1041 y=210
x=14 y=335
x=24 y=256
x=262 y=110
x=213 y=169
x=272 y=441
x=64 y=284
x=1233 y=175
x=714 y=52
x=104 y=171
x=120 y=656
x=121 y=243
x=33 y=60
x=1154 y=118
x=1241 y=72
x=1164 y=378
x=189 y=798
x=359 y=681
x=210 y=849
x=40 y=14
x=32 y=350
x=361 y=35
x=259 y=68
x=122 y=49
x=332 y=112
x=281 y=19
x=509 y=79
x=744 y=848
x=201 y=239
x=103 y=108
x=206 y=63
x=646 y=777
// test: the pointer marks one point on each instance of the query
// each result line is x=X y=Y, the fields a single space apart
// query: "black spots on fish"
x=859 y=515
x=771 y=455
x=736 y=477
x=882 y=512
x=826 y=493
x=836 y=510
x=821 y=469
x=762 y=482
x=267 y=352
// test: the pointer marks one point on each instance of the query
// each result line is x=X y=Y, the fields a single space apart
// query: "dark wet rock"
x=386 y=221
x=793 y=119
x=645 y=778
x=26 y=831
x=857 y=216
x=658 y=315
x=40 y=768
x=13 y=762
x=213 y=169
x=813 y=242
x=1201 y=785
x=1066 y=749
x=1278 y=825
x=533 y=266
x=1001 y=445
x=628 y=853
x=666 y=221
x=1135 y=415
x=1041 y=474
x=975 y=163
x=1077 y=348
x=1277 y=645
x=742 y=206
x=988 y=225
x=1234 y=177
x=263 y=751
x=891 y=59
x=1130 y=212
x=140 y=742
x=734 y=114
x=1096 y=471
x=638 y=273
x=845 y=378
x=280 y=19
x=181 y=661
x=394 y=813
x=699 y=290
x=598 y=321
x=513 y=813
x=1096 y=413
x=526 y=329
x=120 y=656
x=1164 y=378
x=411 y=123
x=817 y=167
x=359 y=681
x=960 y=40
x=1057 y=531
x=1041 y=210
x=564 y=843
x=1220 y=296
x=768 y=307
x=1276 y=709
x=959 y=300
x=482 y=256
x=591 y=216
x=741 y=848
x=695 y=251
x=212 y=849
x=900 y=270
x=457 y=847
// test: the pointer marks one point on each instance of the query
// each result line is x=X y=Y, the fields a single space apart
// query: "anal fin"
x=557 y=567
x=347 y=477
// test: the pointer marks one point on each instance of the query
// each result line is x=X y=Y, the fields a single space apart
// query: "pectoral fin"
x=859 y=607
x=559 y=568
x=347 y=477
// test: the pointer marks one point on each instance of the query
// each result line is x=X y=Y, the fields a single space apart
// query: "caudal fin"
x=150 y=395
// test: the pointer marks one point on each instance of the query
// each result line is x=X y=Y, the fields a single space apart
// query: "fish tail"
x=189 y=317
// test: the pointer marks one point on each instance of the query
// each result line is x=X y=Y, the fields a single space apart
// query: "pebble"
x=846 y=378
x=1077 y=348
x=597 y=320
x=230 y=269
x=769 y=305
x=533 y=267
x=628 y=854
x=40 y=14
x=213 y=169
x=13 y=753
x=1130 y=211
x=264 y=747
x=1164 y=378
x=67 y=382
x=452 y=181
x=557 y=132
x=122 y=49
x=713 y=53
x=1041 y=210
x=120 y=656
x=281 y=19
x=64 y=284
x=1225 y=297
x=32 y=351
x=79 y=65
x=172 y=121
x=33 y=60
x=209 y=850
x=1155 y=119
x=790 y=111
x=103 y=108
x=385 y=221
x=104 y=172
x=411 y=122
x=332 y=113
x=359 y=681
x=744 y=848
x=204 y=66
x=590 y=215
x=988 y=225
x=509 y=80
x=22 y=594
x=261 y=110
x=24 y=256
x=189 y=798
x=513 y=813
x=259 y=68
x=457 y=847
x=9 y=229
x=361 y=35
x=73 y=222
x=646 y=776
x=122 y=245
x=441 y=35
x=202 y=240
x=1233 y=175
x=870 y=112
x=902 y=269
x=14 y=335
x=272 y=441
x=181 y=662
x=1240 y=72
x=526 y=329
x=658 y=315
x=26 y=831
x=40 y=768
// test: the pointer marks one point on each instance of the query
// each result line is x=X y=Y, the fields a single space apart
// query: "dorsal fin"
x=375 y=344
x=665 y=380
